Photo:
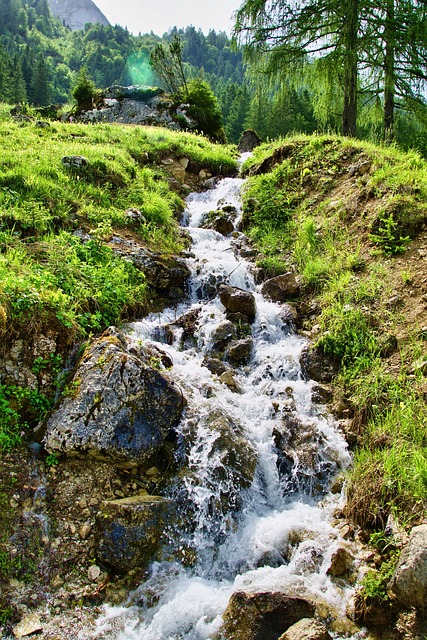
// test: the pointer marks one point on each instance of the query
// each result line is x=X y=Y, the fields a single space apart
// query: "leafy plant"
x=52 y=459
x=389 y=237
x=374 y=584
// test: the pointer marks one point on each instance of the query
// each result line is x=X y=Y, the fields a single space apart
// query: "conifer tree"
x=291 y=32
x=40 y=83
x=395 y=56
x=372 y=46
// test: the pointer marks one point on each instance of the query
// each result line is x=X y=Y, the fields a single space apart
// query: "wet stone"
x=341 y=562
x=262 y=615
x=306 y=629
x=238 y=353
x=222 y=334
x=238 y=301
x=130 y=530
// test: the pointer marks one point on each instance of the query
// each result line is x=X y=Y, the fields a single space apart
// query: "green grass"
x=45 y=270
x=50 y=278
x=340 y=236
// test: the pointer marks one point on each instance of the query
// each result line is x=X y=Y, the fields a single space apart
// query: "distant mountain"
x=76 y=13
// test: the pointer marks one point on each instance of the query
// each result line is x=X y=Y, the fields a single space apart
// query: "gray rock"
x=306 y=629
x=130 y=530
x=248 y=141
x=317 y=365
x=157 y=111
x=239 y=352
x=262 y=615
x=76 y=13
x=341 y=562
x=238 y=301
x=281 y=288
x=74 y=162
x=122 y=409
x=409 y=581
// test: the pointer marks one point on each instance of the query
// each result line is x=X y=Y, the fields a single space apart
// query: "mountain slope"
x=76 y=13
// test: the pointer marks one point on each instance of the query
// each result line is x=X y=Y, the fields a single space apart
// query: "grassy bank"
x=349 y=218
x=59 y=275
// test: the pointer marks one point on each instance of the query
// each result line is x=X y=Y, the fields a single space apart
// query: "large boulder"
x=237 y=300
x=248 y=141
x=409 y=581
x=130 y=530
x=120 y=407
x=262 y=615
x=281 y=288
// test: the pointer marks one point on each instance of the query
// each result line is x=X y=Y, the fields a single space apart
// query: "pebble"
x=93 y=573
x=28 y=625
x=152 y=471
x=72 y=528
x=84 y=531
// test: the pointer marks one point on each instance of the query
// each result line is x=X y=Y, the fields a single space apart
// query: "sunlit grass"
x=337 y=247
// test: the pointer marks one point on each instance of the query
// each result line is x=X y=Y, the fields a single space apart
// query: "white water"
x=277 y=533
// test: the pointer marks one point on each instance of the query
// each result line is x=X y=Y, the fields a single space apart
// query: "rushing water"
x=270 y=531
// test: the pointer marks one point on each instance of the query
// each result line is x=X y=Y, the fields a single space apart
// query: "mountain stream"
x=249 y=520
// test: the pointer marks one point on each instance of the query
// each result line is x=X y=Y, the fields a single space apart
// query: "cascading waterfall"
x=247 y=520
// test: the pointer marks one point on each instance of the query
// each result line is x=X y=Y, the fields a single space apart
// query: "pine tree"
x=40 y=83
x=395 y=53
x=18 y=91
x=290 y=33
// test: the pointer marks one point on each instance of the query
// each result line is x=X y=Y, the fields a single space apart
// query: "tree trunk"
x=350 y=69
x=389 y=79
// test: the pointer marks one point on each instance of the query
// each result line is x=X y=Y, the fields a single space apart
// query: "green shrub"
x=388 y=236
x=205 y=110
x=84 y=91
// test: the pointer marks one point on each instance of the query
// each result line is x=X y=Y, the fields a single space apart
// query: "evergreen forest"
x=364 y=79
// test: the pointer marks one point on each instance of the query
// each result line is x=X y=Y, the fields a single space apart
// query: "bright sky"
x=159 y=15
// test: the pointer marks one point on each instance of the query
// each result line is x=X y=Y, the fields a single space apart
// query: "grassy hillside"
x=350 y=219
x=58 y=271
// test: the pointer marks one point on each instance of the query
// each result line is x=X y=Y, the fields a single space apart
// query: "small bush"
x=84 y=91
x=204 y=109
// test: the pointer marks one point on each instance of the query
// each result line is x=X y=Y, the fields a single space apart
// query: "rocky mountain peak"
x=76 y=13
